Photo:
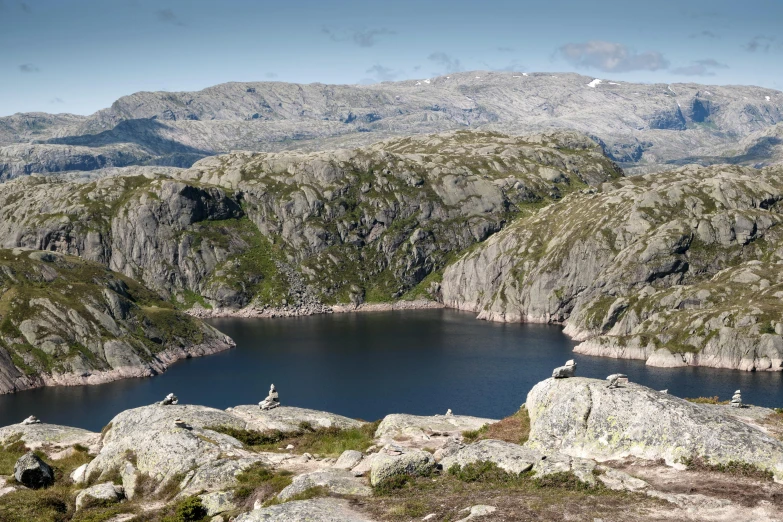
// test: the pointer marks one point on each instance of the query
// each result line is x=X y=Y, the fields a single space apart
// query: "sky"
x=79 y=56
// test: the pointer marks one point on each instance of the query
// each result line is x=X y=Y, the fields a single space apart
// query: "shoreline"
x=252 y=312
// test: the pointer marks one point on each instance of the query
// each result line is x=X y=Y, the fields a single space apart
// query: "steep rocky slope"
x=294 y=230
x=682 y=262
x=643 y=126
x=68 y=321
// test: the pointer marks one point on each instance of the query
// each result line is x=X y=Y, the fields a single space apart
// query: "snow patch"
x=767 y=98
x=524 y=74
x=418 y=83
x=477 y=77
x=426 y=81
x=670 y=88
x=468 y=97
x=594 y=83
x=708 y=93
x=613 y=83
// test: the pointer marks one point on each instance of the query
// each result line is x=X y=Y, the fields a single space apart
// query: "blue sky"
x=80 y=55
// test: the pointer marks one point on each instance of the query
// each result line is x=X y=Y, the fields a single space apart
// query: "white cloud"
x=611 y=57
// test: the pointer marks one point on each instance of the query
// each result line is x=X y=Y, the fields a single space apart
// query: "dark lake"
x=370 y=364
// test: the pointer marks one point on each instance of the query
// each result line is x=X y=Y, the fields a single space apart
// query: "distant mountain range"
x=643 y=127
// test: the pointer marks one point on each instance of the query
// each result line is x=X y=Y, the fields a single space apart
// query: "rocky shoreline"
x=641 y=454
x=252 y=312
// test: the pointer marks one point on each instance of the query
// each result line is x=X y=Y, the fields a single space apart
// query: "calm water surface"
x=371 y=364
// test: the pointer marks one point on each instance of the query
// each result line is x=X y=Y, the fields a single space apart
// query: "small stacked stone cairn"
x=179 y=423
x=736 y=400
x=272 y=400
x=32 y=419
x=449 y=413
x=616 y=379
x=169 y=400
x=566 y=371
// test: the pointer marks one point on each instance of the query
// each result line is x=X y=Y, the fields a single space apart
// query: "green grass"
x=732 y=467
x=261 y=480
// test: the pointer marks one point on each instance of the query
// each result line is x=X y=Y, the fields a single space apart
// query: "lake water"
x=370 y=364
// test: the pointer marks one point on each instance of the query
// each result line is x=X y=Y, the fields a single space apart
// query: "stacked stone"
x=566 y=371
x=32 y=419
x=736 y=400
x=616 y=379
x=169 y=400
x=272 y=400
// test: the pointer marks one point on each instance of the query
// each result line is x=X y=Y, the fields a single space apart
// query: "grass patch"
x=53 y=504
x=260 y=482
x=514 y=428
x=733 y=467
x=330 y=441
x=189 y=509
x=706 y=400
x=10 y=453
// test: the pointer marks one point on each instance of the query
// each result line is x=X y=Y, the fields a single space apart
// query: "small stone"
x=430 y=516
x=448 y=413
x=106 y=492
x=78 y=476
x=665 y=391
x=179 y=423
x=289 y=447
x=349 y=459
x=271 y=401
x=257 y=505
x=616 y=379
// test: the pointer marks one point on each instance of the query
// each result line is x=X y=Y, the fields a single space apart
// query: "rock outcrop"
x=583 y=418
x=650 y=267
x=335 y=481
x=320 y=509
x=48 y=437
x=427 y=431
x=289 y=418
x=32 y=472
x=106 y=493
x=66 y=321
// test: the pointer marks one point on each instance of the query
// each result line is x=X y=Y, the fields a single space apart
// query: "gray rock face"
x=320 y=509
x=36 y=436
x=636 y=122
x=100 y=493
x=394 y=461
x=335 y=481
x=583 y=418
x=427 y=431
x=32 y=472
x=217 y=502
x=634 y=267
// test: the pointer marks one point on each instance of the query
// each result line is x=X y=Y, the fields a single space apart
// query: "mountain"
x=644 y=127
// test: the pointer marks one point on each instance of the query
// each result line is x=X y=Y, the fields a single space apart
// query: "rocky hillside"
x=643 y=126
x=64 y=320
x=682 y=262
x=295 y=231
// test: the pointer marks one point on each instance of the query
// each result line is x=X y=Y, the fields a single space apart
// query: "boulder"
x=217 y=502
x=393 y=461
x=583 y=418
x=512 y=458
x=319 y=509
x=477 y=512
x=32 y=472
x=427 y=431
x=288 y=418
x=78 y=476
x=105 y=493
x=339 y=482
x=348 y=460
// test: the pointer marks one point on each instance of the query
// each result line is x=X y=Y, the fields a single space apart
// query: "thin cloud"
x=706 y=34
x=56 y=100
x=362 y=38
x=505 y=49
x=167 y=16
x=611 y=57
x=383 y=74
x=760 y=43
x=29 y=68
x=271 y=75
x=700 y=68
x=447 y=62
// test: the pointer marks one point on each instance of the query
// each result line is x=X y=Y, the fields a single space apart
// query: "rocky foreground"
x=577 y=449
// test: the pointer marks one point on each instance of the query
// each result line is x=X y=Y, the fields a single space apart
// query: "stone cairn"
x=179 y=423
x=272 y=400
x=169 y=400
x=736 y=400
x=616 y=379
x=449 y=413
x=566 y=371
x=32 y=419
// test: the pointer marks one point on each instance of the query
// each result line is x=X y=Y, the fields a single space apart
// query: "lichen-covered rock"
x=583 y=418
x=147 y=436
x=394 y=461
x=79 y=475
x=339 y=482
x=289 y=418
x=319 y=509
x=621 y=481
x=50 y=437
x=217 y=502
x=32 y=472
x=512 y=458
x=427 y=431
x=99 y=494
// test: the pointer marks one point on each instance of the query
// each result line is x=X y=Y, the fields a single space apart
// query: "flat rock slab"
x=423 y=431
x=512 y=458
x=583 y=418
x=339 y=482
x=288 y=418
x=106 y=492
x=48 y=436
x=394 y=461
x=320 y=509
